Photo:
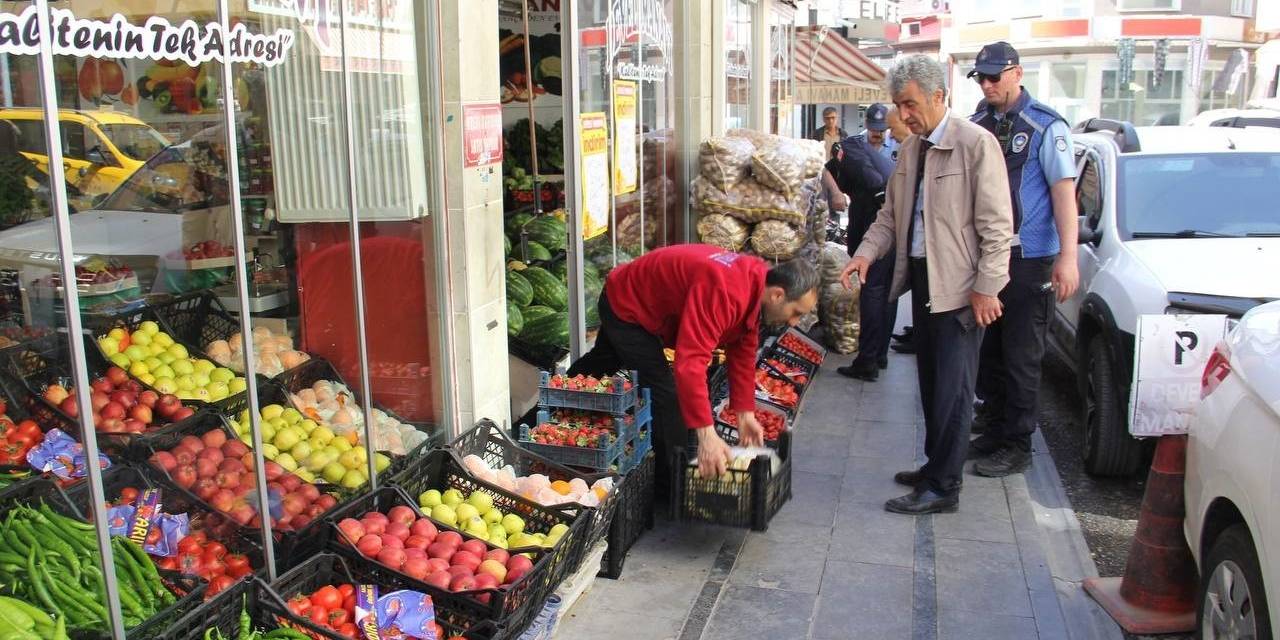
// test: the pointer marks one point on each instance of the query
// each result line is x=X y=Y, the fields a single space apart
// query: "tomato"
x=338 y=617
x=349 y=602
x=32 y=429
x=189 y=545
x=237 y=565
x=189 y=564
x=218 y=584
x=319 y=615
x=21 y=440
x=300 y=606
x=327 y=597
x=128 y=495
x=348 y=630
x=200 y=538
x=170 y=563
x=214 y=549
x=213 y=567
x=346 y=590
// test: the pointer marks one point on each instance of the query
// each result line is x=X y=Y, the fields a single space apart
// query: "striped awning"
x=835 y=64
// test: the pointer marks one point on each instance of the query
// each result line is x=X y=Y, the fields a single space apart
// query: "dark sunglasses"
x=988 y=77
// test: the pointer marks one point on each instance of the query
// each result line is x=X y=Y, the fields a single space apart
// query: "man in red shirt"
x=695 y=298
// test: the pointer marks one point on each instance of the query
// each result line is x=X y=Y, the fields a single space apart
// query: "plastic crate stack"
x=619 y=406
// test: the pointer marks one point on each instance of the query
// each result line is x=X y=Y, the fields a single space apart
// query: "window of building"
x=1140 y=102
x=737 y=63
x=1242 y=8
x=1210 y=99
x=1148 y=5
x=1066 y=90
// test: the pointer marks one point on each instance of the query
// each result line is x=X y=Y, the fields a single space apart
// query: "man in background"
x=830 y=132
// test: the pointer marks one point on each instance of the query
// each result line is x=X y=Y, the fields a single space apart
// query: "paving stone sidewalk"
x=835 y=566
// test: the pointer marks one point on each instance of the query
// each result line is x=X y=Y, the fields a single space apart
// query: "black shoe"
x=904 y=336
x=883 y=363
x=911 y=478
x=860 y=373
x=905 y=346
x=923 y=501
x=983 y=446
x=1005 y=462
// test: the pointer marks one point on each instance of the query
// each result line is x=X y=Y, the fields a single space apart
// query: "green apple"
x=245 y=437
x=301 y=451
x=429 y=499
x=363 y=455
x=307 y=426
x=164 y=371
x=291 y=415
x=476 y=527
x=141 y=338
x=204 y=366
x=493 y=516
x=444 y=513
x=512 y=523
x=185 y=383
x=519 y=540
x=149 y=327
x=155 y=349
x=321 y=435
x=381 y=462
x=269 y=432
x=138 y=369
x=559 y=530
x=451 y=497
x=270 y=451
x=286 y=439
x=165 y=385
x=307 y=476
x=222 y=374
x=199 y=380
x=109 y=345
x=482 y=501
x=349 y=459
x=120 y=360
x=466 y=512
x=147 y=379
x=354 y=479
x=285 y=460
x=162 y=339
x=496 y=532
x=137 y=352
x=201 y=394
x=272 y=411
x=183 y=367
x=166 y=357
x=218 y=391
x=342 y=444
x=179 y=351
x=334 y=472
x=237 y=385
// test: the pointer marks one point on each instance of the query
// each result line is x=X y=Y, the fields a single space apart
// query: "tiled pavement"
x=835 y=566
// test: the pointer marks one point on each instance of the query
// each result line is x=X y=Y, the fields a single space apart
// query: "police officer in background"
x=861 y=169
x=1036 y=142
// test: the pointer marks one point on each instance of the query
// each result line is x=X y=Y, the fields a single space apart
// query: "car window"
x=76 y=140
x=1089 y=192
x=30 y=136
x=138 y=141
x=182 y=177
x=1208 y=193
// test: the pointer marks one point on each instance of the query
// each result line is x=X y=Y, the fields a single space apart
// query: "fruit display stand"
x=488 y=441
x=40 y=520
x=441 y=470
x=741 y=497
x=511 y=605
x=293 y=544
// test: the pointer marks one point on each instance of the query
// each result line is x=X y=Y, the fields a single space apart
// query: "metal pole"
x=533 y=121
x=242 y=289
x=573 y=158
x=71 y=304
x=362 y=342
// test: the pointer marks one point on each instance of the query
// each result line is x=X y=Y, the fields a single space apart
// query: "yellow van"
x=100 y=149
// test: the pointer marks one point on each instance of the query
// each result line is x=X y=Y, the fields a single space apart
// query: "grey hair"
x=926 y=72
x=829 y=110
x=795 y=277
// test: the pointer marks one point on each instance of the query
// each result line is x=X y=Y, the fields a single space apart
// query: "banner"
x=1170 y=355
x=594 y=133
x=481 y=134
x=625 y=170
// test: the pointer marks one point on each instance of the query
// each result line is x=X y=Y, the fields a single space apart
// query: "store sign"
x=325 y=16
x=481 y=134
x=1170 y=355
x=593 y=130
x=158 y=39
x=624 y=137
x=643 y=21
x=809 y=93
x=641 y=72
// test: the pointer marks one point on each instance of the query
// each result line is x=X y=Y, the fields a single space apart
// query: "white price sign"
x=1169 y=357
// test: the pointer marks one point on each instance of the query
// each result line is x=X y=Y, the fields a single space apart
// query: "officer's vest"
x=1028 y=188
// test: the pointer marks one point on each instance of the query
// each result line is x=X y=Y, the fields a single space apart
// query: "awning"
x=835 y=71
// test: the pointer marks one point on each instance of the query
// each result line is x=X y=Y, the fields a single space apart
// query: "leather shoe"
x=923 y=501
x=1005 y=462
x=905 y=335
x=905 y=346
x=859 y=373
x=911 y=478
x=983 y=446
x=883 y=363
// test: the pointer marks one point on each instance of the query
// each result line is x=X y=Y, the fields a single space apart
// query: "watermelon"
x=560 y=269
x=535 y=252
x=506 y=246
x=515 y=320
x=519 y=290
x=552 y=330
x=516 y=222
x=549 y=232
x=593 y=310
x=547 y=289
x=535 y=311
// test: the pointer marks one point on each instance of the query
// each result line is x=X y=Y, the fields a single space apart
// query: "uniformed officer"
x=1036 y=142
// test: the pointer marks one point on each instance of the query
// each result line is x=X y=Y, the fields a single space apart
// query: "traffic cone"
x=1157 y=593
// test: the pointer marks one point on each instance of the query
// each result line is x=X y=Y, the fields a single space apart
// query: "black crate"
x=316 y=369
x=788 y=360
x=222 y=612
x=634 y=517
x=328 y=568
x=794 y=334
x=730 y=432
x=747 y=498
x=490 y=443
x=291 y=547
x=441 y=469
x=544 y=357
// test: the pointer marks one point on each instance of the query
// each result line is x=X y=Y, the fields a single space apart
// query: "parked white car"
x=1173 y=220
x=1233 y=481
x=1237 y=118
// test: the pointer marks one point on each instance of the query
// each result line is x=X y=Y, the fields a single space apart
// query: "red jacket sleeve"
x=742 y=371
x=707 y=313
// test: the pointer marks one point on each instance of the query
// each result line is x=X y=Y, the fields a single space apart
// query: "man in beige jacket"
x=948 y=217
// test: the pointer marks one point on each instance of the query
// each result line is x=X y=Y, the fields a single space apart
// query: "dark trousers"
x=875 y=310
x=947 y=346
x=622 y=345
x=1009 y=374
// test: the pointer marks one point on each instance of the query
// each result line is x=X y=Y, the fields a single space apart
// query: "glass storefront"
x=737 y=63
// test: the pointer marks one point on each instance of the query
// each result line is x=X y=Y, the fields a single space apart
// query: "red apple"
x=376 y=515
x=417 y=542
x=273 y=471
x=299 y=521
x=184 y=476
x=234 y=449
x=462 y=583
x=369 y=545
x=326 y=501
x=439 y=579
x=392 y=557
x=182 y=413
x=212 y=455
x=399 y=530
x=196 y=445
x=167 y=404
x=466 y=559
x=351 y=528
x=477 y=548
x=500 y=555
x=518 y=563
x=113 y=411
x=227 y=479
x=495 y=569
x=141 y=413
x=442 y=550
x=111 y=425
x=117 y=376
x=134 y=426
x=373 y=525
x=389 y=540
x=460 y=570
x=425 y=528
x=125 y=399
x=402 y=514
x=231 y=465
x=99 y=400
x=205 y=488
x=438 y=564
x=243 y=514
x=164 y=460
x=415 y=568
x=148 y=398
x=55 y=394
x=206 y=468
x=68 y=406
x=452 y=538
x=289 y=481
x=293 y=504
x=183 y=454
x=103 y=385
x=223 y=500
x=214 y=438
x=487 y=581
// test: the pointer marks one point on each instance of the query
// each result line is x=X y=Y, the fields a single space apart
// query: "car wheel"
x=1109 y=450
x=1233 y=602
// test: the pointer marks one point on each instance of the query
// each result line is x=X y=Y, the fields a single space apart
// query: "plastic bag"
x=839 y=308
x=748 y=201
x=723 y=231
x=781 y=166
x=725 y=161
x=776 y=240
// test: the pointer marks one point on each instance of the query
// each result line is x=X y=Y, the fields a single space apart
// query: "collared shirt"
x=917 y=236
x=889 y=149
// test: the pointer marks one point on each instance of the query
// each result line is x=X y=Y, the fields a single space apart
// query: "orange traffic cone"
x=1157 y=593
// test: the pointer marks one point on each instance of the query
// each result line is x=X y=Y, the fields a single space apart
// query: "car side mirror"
x=1087 y=233
x=96 y=156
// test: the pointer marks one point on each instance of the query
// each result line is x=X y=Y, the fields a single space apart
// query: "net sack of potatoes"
x=758 y=138
x=815 y=157
x=748 y=201
x=839 y=309
x=723 y=231
x=776 y=240
x=833 y=260
x=628 y=231
x=780 y=166
x=725 y=161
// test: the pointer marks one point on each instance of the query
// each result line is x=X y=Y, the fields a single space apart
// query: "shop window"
x=1066 y=90
x=1141 y=101
x=1242 y=8
x=737 y=63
